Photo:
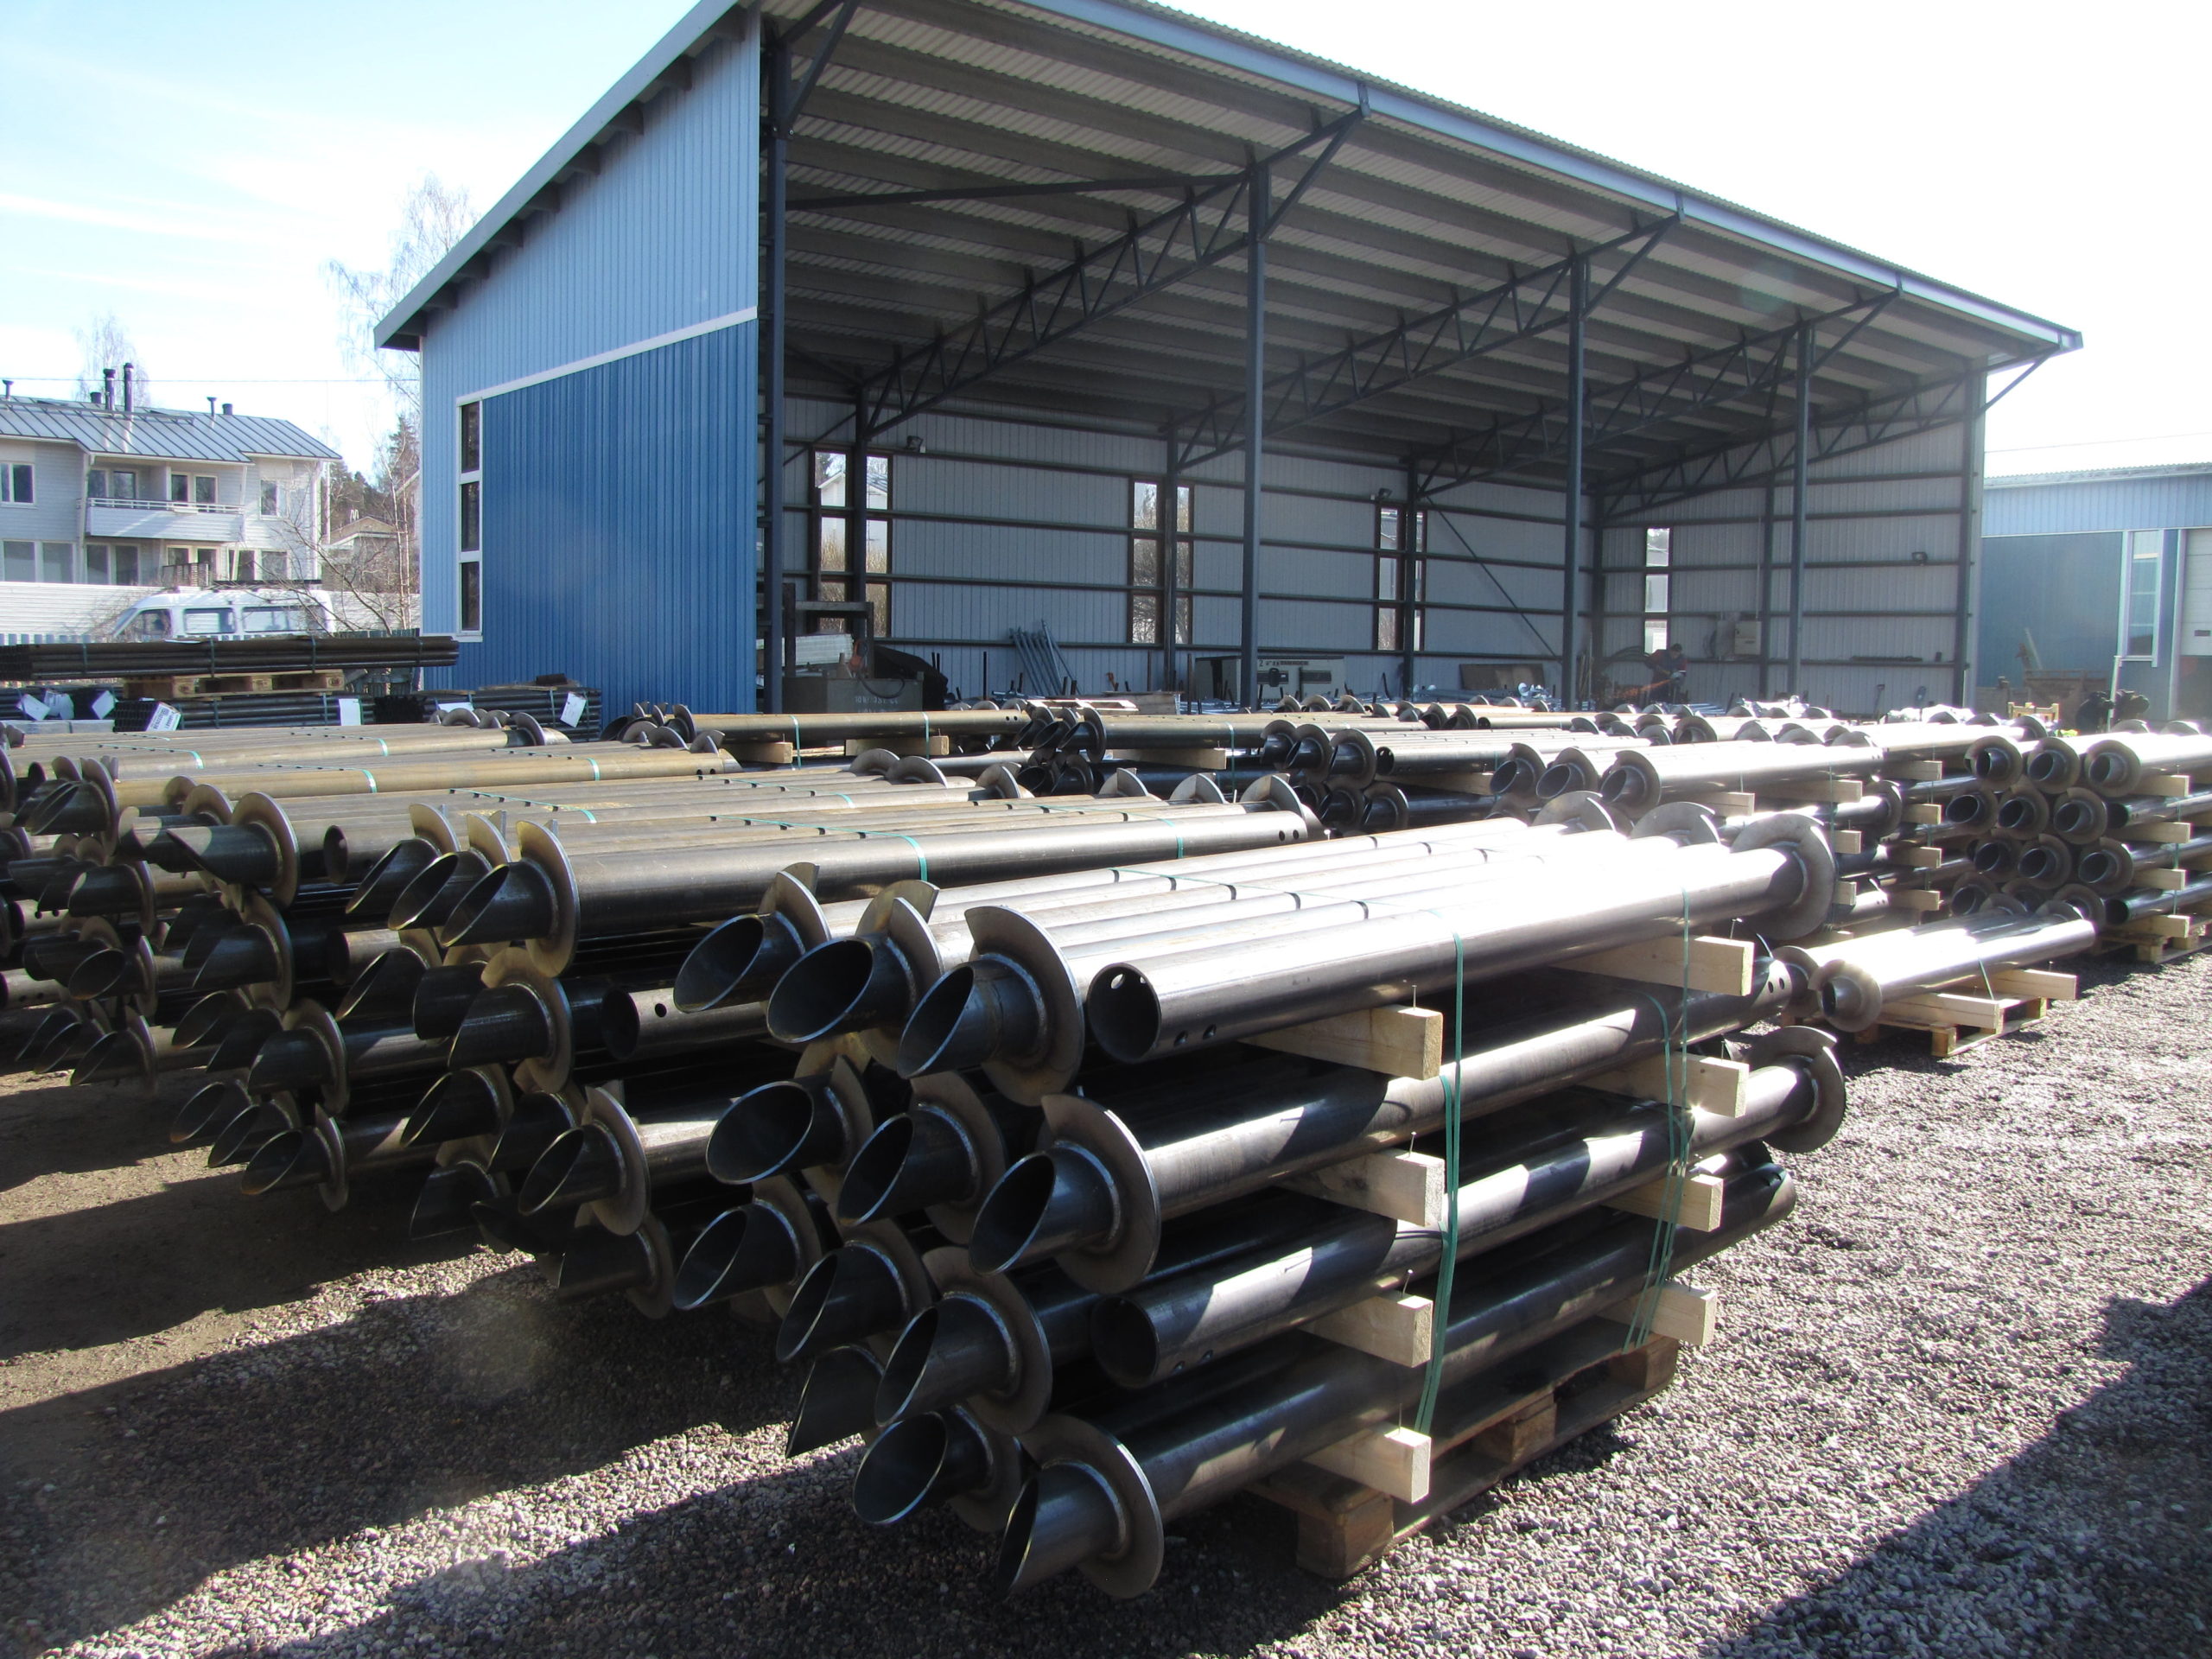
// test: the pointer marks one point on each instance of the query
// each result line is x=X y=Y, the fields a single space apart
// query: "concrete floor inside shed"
x=1959 y=1404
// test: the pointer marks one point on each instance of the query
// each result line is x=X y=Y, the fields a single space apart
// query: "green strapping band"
x=1440 y=1317
x=1679 y=1125
x=371 y=777
x=594 y=765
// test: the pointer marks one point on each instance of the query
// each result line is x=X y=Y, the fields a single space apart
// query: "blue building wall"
x=2061 y=590
x=618 y=543
x=2072 y=503
x=643 y=508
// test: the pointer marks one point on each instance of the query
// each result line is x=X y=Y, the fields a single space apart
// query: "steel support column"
x=776 y=101
x=1409 y=584
x=1800 y=476
x=1971 y=432
x=1255 y=389
x=1171 y=542
x=1577 y=394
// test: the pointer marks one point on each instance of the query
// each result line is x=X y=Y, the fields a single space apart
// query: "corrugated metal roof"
x=2100 y=474
x=158 y=434
x=1425 y=202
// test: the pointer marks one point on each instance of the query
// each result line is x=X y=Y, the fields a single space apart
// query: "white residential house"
x=100 y=506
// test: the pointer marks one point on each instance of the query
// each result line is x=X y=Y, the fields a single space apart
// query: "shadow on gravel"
x=47 y=1128
x=2094 y=1541
x=411 y=1403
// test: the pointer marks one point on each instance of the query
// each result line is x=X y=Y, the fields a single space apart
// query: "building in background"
x=2090 y=575
x=99 y=504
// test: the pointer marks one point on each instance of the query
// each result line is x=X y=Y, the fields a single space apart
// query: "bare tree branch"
x=102 y=344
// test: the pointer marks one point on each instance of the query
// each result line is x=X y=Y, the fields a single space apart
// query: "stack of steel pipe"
x=2119 y=822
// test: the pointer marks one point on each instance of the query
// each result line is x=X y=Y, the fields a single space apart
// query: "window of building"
x=58 y=561
x=115 y=563
x=268 y=497
x=181 y=487
x=469 y=587
x=203 y=490
x=125 y=565
x=2138 y=611
x=1152 y=578
x=19 y=560
x=1658 y=549
x=843 y=514
x=1400 y=579
x=16 y=483
x=96 y=563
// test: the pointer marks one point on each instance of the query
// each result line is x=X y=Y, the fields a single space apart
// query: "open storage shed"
x=1191 y=350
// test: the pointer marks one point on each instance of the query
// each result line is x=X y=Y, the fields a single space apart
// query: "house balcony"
x=109 y=519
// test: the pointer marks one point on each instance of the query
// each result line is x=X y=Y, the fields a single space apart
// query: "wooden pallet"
x=1976 y=1010
x=1485 y=1431
x=2158 y=939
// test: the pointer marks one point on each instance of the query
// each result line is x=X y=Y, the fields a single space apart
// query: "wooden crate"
x=1486 y=1431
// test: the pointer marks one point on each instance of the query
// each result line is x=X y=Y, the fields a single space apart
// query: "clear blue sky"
x=191 y=165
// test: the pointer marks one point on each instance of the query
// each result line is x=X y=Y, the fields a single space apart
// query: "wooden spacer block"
x=1399 y=1042
x=2164 y=834
x=1394 y=1461
x=777 y=753
x=1914 y=772
x=1395 y=1327
x=2163 y=783
x=1844 y=840
x=926 y=746
x=1916 y=899
x=2034 y=983
x=1720 y=966
x=1921 y=858
x=1833 y=789
x=1648 y=1369
x=1696 y=1206
x=1685 y=1313
x=1406 y=1187
x=1715 y=1086
x=1728 y=803
x=1924 y=813
x=2164 y=880
x=2162 y=927
x=1946 y=1008
x=1520 y=1437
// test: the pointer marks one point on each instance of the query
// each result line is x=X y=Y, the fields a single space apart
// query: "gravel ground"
x=1961 y=1405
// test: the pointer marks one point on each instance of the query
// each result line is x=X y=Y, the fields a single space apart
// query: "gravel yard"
x=1960 y=1404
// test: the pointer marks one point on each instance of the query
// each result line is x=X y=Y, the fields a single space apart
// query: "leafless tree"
x=104 y=343
x=434 y=217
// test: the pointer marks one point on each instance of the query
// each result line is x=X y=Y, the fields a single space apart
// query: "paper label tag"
x=572 y=709
x=164 y=718
x=35 y=706
x=104 y=705
x=349 y=711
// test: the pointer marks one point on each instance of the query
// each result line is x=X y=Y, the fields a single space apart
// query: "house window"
x=2138 y=611
x=58 y=561
x=840 y=514
x=181 y=487
x=1658 y=550
x=470 y=585
x=1152 y=580
x=96 y=562
x=115 y=563
x=16 y=483
x=1401 y=578
x=203 y=490
x=127 y=565
x=268 y=498
x=19 y=560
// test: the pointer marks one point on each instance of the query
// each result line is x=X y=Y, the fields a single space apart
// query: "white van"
x=226 y=613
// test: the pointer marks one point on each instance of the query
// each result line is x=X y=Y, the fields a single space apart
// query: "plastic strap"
x=371 y=777
x=1440 y=1315
x=1680 y=1123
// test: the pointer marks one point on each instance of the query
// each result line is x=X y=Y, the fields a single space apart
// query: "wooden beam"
x=1921 y=858
x=1720 y=966
x=1711 y=1085
x=1946 y=1008
x=1399 y=1042
x=2164 y=835
x=2164 y=880
x=1925 y=899
x=1394 y=1326
x=2034 y=983
x=1392 y=1460
x=1924 y=813
x=2169 y=783
x=1406 y=1187
x=1695 y=1203
x=1836 y=790
x=1685 y=1313
x=1914 y=772
x=1844 y=840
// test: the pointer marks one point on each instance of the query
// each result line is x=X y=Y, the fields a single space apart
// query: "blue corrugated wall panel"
x=665 y=237
x=617 y=542
x=2182 y=500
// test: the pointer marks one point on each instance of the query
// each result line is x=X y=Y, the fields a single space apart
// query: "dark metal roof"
x=1416 y=283
x=158 y=434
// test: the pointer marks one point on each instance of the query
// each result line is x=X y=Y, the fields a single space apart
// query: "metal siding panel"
x=1937 y=451
x=667 y=236
x=618 y=548
x=2061 y=590
x=2181 y=501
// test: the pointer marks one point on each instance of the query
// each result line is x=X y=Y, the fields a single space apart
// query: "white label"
x=349 y=711
x=104 y=705
x=35 y=708
x=164 y=719
x=572 y=709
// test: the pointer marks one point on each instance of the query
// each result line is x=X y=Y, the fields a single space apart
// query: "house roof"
x=2100 y=475
x=158 y=434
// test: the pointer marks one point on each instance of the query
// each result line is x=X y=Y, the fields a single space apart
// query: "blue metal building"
x=2099 y=574
x=1195 y=352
